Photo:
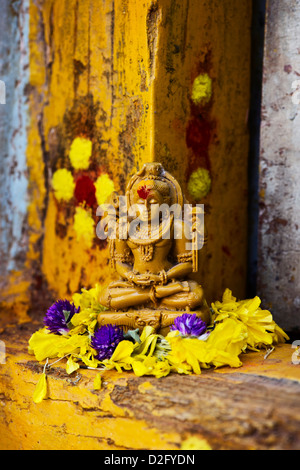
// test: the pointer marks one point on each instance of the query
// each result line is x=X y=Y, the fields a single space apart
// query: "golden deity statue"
x=154 y=256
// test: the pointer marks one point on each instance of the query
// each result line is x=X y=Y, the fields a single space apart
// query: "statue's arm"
x=184 y=257
x=125 y=270
x=180 y=270
x=121 y=256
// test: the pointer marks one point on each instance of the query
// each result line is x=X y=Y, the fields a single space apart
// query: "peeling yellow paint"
x=67 y=263
x=145 y=386
x=121 y=74
x=108 y=405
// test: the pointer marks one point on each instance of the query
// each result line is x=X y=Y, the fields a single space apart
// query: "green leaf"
x=133 y=335
x=66 y=315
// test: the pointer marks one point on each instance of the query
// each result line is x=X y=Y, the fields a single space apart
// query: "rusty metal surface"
x=279 y=217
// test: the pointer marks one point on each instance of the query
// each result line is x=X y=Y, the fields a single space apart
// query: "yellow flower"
x=148 y=342
x=199 y=184
x=84 y=226
x=44 y=344
x=80 y=153
x=49 y=345
x=260 y=325
x=90 y=307
x=150 y=366
x=88 y=298
x=121 y=358
x=226 y=342
x=63 y=185
x=202 y=89
x=223 y=347
x=104 y=187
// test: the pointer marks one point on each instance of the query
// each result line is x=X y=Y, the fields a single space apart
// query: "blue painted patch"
x=14 y=71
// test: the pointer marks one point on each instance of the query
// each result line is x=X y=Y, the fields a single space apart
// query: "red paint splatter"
x=201 y=128
x=143 y=192
x=226 y=250
x=85 y=191
x=198 y=136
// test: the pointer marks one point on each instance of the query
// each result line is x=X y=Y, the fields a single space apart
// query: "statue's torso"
x=151 y=258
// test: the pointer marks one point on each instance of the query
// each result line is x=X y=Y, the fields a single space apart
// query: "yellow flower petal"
x=150 y=366
x=40 y=392
x=229 y=336
x=98 y=382
x=71 y=366
x=228 y=297
x=44 y=344
x=48 y=345
x=123 y=351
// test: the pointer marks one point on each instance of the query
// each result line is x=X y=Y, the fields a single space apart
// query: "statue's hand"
x=131 y=277
x=148 y=279
x=140 y=279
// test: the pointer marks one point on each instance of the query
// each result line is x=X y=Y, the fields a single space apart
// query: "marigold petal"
x=98 y=382
x=40 y=392
x=71 y=366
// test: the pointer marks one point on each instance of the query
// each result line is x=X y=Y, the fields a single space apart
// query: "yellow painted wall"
x=121 y=74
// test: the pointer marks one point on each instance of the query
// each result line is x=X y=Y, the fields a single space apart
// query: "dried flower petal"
x=98 y=382
x=40 y=392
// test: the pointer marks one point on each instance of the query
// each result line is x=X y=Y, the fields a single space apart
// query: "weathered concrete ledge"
x=254 y=407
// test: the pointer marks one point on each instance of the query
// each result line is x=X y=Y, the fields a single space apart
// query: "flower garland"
x=71 y=331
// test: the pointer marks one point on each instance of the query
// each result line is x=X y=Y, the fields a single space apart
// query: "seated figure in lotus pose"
x=154 y=261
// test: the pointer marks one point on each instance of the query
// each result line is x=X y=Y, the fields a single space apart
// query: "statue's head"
x=152 y=187
x=153 y=181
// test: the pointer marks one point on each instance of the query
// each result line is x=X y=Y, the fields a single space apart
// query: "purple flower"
x=59 y=315
x=105 y=341
x=189 y=325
